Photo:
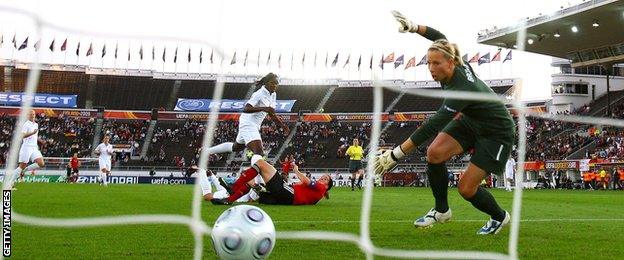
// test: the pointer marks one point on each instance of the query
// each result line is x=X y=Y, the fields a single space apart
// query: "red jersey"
x=286 y=165
x=308 y=194
x=73 y=163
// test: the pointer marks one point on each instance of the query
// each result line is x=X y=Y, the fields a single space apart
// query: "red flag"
x=411 y=63
x=497 y=56
x=474 y=59
x=389 y=58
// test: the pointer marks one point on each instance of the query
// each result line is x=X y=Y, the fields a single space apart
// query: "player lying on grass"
x=305 y=192
x=458 y=126
x=207 y=179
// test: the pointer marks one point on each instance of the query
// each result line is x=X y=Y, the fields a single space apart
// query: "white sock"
x=255 y=158
x=213 y=179
x=31 y=167
x=221 y=148
x=103 y=178
x=253 y=195
x=205 y=185
x=244 y=198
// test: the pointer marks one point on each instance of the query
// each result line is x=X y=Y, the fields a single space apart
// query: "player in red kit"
x=304 y=192
x=74 y=164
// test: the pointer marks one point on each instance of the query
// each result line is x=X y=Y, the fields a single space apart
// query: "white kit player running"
x=510 y=170
x=261 y=104
x=29 y=151
x=105 y=151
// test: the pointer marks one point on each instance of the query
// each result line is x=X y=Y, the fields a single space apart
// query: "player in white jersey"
x=105 y=151
x=261 y=104
x=510 y=169
x=29 y=151
x=207 y=180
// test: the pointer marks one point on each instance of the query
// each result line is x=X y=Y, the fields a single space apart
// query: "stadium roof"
x=599 y=38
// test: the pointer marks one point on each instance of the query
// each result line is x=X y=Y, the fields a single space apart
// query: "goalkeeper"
x=459 y=125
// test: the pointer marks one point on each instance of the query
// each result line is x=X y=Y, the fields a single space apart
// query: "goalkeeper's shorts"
x=490 y=152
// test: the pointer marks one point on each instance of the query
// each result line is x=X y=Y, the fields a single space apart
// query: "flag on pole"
x=52 y=47
x=347 y=62
x=335 y=60
x=175 y=56
x=292 y=60
x=141 y=52
x=508 y=57
x=37 y=45
x=258 y=60
x=474 y=58
x=128 y=53
x=246 y=56
x=399 y=61
x=90 y=50
x=24 y=45
x=279 y=61
x=211 y=53
x=411 y=63
x=15 y=42
x=269 y=59
x=497 y=56
x=1 y=39
x=326 y=59
x=303 y=59
x=153 y=52
x=188 y=58
x=389 y=58
x=484 y=59
x=78 y=49
x=371 y=63
x=359 y=62
x=164 y=53
x=233 y=59
x=381 y=62
x=64 y=45
x=201 y=55
x=315 y=56
x=116 y=49
x=104 y=50
x=422 y=61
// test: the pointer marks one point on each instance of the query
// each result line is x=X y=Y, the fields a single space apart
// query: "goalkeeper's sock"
x=352 y=182
x=221 y=148
x=438 y=180
x=484 y=201
x=359 y=183
x=240 y=187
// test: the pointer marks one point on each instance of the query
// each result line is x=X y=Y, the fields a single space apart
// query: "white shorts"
x=105 y=164
x=29 y=154
x=509 y=174
x=246 y=134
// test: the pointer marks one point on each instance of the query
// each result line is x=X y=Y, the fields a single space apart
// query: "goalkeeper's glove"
x=387 y=160
x=406 y=25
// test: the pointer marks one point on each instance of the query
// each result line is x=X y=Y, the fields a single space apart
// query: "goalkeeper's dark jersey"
x=485 y=118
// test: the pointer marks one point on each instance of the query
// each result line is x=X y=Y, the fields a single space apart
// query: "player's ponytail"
x=265 y=79
x=449 y=50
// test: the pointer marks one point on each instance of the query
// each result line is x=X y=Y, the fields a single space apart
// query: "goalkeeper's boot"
x=493 y=226
x=432 y=217
x=259 y=188
x=227 y=187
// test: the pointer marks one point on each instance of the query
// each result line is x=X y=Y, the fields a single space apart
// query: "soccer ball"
x=243 y=232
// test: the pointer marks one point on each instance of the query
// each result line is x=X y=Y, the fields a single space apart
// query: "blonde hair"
x=449 y=50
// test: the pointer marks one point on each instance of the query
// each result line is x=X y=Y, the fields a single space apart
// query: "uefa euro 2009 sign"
x=226 y=105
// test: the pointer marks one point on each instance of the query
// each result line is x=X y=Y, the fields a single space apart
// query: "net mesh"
x=199 y=227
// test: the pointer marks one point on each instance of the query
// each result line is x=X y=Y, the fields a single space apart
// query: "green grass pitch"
x=555 y=224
